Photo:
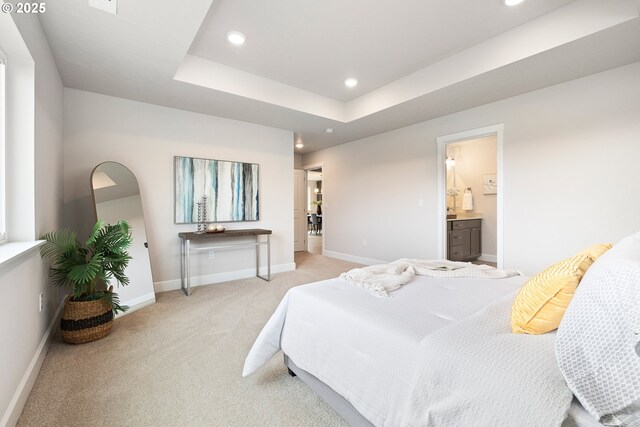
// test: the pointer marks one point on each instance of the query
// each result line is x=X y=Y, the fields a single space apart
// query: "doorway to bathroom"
x=470 y=199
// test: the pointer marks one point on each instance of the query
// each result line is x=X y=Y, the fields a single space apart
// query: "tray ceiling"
x=415 y=60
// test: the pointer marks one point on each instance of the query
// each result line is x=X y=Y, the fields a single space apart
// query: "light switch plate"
x=110 y=6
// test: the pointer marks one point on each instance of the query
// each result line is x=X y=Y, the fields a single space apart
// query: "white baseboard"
x=488 y=258
x=138 y=303
x=172 y=285
x=10 y=417
x=352 y=258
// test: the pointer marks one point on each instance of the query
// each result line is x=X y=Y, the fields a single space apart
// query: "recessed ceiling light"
x=351 y=82
x=299 y=144
x=512 y=2
x=236 y=37
x=329 y=130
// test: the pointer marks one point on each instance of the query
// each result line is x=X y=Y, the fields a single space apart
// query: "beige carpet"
x=179 y=363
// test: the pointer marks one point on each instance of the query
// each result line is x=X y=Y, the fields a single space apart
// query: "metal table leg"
x=258 y=244
x=257 y=256
x=188 y=253
x=182 y=284
x=187 y=268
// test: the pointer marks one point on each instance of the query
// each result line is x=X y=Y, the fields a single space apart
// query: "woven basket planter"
x=85 y=321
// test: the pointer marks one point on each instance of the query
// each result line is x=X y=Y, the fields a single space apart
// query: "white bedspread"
x=475 y=372
x=366 y=349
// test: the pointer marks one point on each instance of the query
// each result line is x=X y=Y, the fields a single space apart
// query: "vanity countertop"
x=466 y=218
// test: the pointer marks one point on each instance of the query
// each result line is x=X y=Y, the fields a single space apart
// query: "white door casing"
x=299 y=210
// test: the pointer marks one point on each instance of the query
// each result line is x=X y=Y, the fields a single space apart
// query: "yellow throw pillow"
x=542 y=301
x=596 y=250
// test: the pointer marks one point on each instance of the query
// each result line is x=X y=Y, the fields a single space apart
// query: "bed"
x=366 y=355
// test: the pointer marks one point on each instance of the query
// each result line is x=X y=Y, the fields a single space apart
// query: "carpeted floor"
x=179 y=363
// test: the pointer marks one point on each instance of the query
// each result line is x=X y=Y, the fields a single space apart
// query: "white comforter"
x=367 y=349
x=475 y=372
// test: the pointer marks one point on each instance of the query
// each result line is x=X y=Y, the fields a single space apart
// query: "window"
x=17 y=139
x=3 y=108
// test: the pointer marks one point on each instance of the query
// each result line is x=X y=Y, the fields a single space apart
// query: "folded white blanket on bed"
x=461 y=270
x=384 y=278
x=473 y=373
x=380 y=279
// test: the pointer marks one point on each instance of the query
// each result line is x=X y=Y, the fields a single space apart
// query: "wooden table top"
x=226 y=233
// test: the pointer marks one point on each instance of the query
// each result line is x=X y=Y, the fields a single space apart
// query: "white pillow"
x=599 y=335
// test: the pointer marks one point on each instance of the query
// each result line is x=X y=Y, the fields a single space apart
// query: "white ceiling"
x=289 y=74
x=316 y=45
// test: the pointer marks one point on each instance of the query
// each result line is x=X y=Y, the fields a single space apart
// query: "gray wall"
x=570 y=165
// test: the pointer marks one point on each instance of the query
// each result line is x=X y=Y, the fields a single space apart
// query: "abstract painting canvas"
x=231 y=189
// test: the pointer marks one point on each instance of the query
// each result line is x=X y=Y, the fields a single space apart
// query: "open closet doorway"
x=470 y=196
x=315 y=241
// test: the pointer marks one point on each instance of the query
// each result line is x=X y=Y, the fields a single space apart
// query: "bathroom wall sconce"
x=316 y=190
x=450 y=161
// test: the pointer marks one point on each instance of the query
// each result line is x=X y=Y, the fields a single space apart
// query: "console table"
x=186 y=249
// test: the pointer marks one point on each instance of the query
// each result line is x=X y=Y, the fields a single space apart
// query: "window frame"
x=3 y=133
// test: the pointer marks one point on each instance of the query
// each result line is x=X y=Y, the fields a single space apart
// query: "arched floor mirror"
x=116 y=196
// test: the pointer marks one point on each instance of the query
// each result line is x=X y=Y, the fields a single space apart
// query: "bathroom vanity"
x=464 y=238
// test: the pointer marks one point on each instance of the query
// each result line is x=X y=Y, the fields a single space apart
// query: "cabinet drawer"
x=471 y=223
x=459 y=252
x=459 y=237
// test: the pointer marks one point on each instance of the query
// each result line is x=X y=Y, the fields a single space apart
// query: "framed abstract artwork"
x=231 y=190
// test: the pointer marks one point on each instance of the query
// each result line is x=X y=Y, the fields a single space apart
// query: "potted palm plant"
x=88 y=269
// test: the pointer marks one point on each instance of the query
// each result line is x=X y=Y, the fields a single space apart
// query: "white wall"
x=144 y=138
x=140 y=289
x=25 y=330
x=570 y=162
x=297 y=161
x=473 y=159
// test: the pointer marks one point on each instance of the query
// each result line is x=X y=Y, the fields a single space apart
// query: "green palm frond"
x=85 y=273
x=124 y=227
x=121 y=278
x=95 y=233
x=59 y=277
x=62 y=244
x=113 y=300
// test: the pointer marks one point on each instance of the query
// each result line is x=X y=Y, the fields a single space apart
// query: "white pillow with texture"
x=598 y=341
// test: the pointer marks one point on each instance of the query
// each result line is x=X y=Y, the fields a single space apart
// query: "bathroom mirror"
x=116 y=196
